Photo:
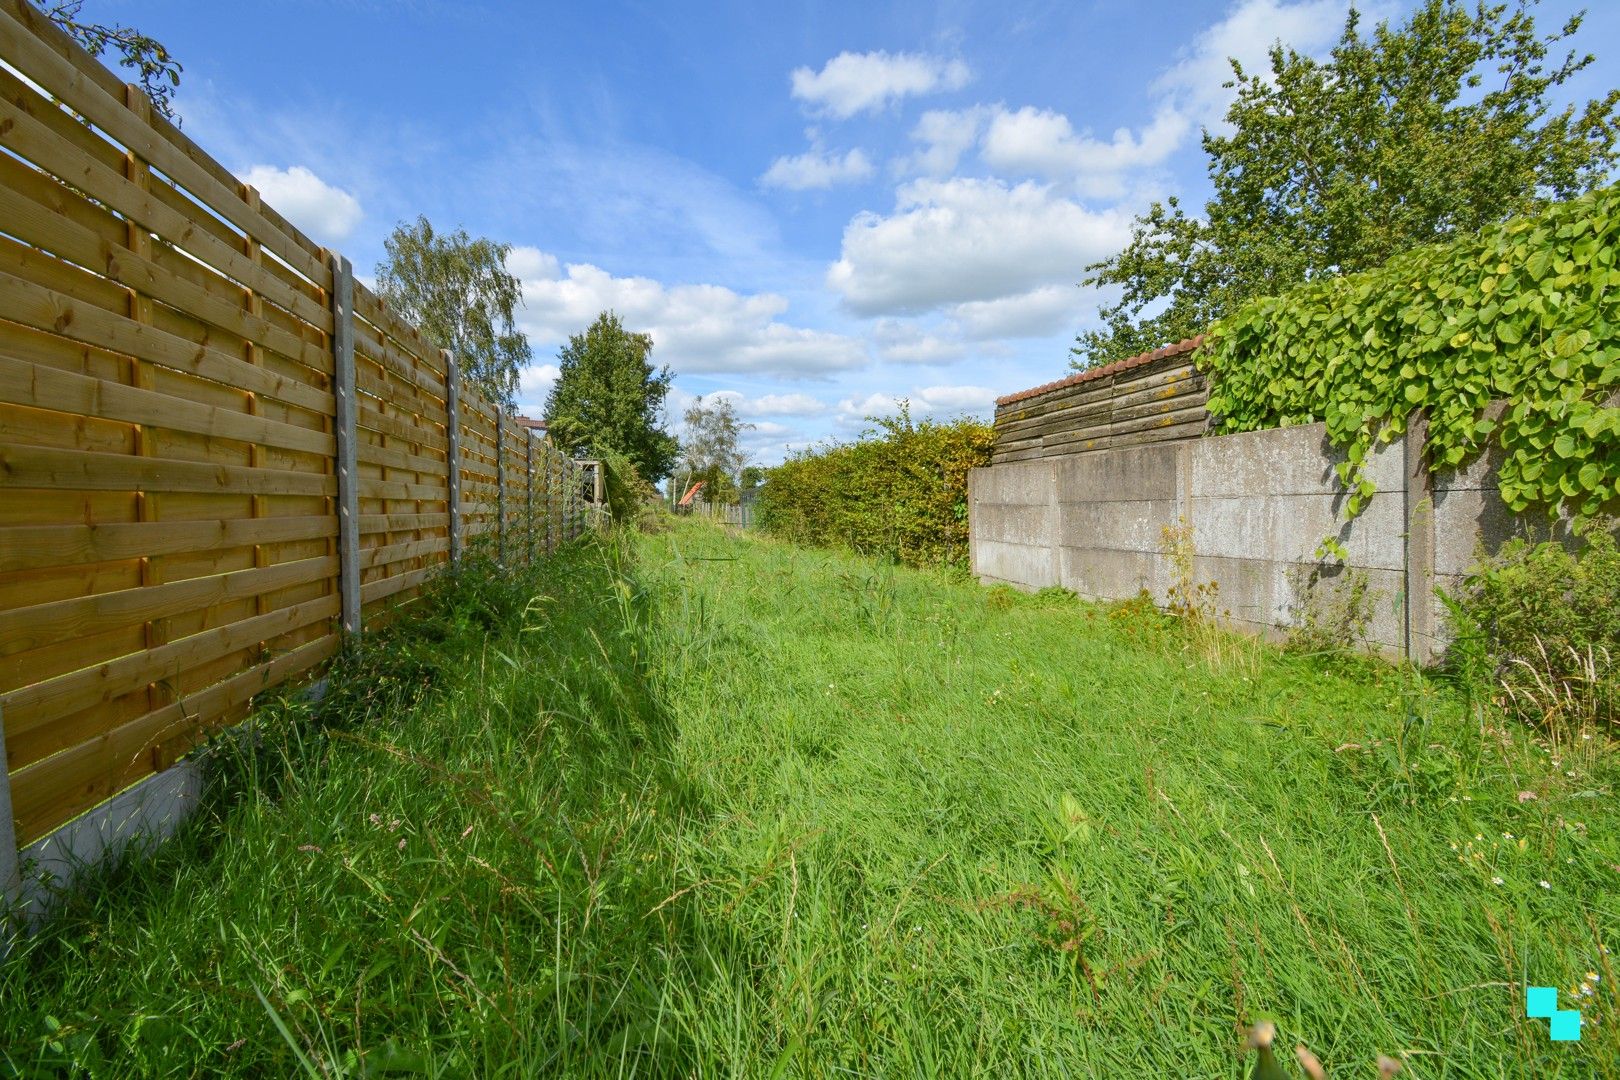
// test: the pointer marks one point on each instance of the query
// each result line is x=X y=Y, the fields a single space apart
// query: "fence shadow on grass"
x=461 y=859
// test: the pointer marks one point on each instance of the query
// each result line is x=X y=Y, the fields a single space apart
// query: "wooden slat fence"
x=205 y=424
x=1156 y=397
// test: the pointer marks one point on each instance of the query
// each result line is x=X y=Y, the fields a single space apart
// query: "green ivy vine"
x=1526 y=313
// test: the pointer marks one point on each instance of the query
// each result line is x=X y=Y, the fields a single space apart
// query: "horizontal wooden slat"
x=376 y=523
x=33 y=706
x=393 y=553
x=383 y=319
x=28 y=54
x=398 y=489
x=37 y=467
x=29 y=547
x=44 y=213
x=385 y=587
x=22 y=383
x=44 y=309
x=51 y=792
x=35 y=141
x=371 y=420
x=32 y=628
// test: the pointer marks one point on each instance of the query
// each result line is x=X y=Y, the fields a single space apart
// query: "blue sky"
x=815 y=208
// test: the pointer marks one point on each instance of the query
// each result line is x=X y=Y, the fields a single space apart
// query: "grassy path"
x=725 y=807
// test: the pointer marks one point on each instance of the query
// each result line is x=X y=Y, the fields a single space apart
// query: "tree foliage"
x=457 y=290
x=1415 y=134
x=1526 y=312
x=609 y=395
x=159 y=72
x=898 y=492
x=710 y=450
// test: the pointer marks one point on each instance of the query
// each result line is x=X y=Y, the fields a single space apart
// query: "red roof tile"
x=1178 y=349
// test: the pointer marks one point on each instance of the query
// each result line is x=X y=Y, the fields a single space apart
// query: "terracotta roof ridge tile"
x=1180 y=348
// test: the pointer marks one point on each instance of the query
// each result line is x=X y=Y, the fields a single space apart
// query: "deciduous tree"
x=609 y=395
x=457 y=290
x=1413 y=134
x=712 y=450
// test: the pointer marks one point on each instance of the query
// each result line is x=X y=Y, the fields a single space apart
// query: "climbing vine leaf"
x=1507 y=337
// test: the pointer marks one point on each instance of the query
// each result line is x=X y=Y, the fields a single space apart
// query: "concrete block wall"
x=1259 y=505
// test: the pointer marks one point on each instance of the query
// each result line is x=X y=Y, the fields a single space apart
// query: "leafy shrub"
x=631 y=499
x=899 y=492
x=1539 y=627
x=1527 y=311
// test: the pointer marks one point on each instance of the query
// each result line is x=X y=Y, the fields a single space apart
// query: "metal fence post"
x=452 y=454
x=500 y=489
x=346 y=431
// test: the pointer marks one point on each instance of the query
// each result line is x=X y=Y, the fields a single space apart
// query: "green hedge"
x=1526 y=312
x=900 y=492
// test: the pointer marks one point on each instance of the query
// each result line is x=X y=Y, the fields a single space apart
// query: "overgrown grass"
x=722 y=806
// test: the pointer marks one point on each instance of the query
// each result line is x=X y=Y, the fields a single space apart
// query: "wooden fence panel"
x=1157 y=397
x=169 y=519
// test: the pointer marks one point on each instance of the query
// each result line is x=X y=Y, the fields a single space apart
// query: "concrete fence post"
x=452 y=455
x=1419 y=631
x=10 y=870
x=500 y=488
x=347 y=433
x=528 y=490
x=551 y=498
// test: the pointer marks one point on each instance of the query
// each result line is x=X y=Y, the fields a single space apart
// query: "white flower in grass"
x=1496 y=881
x=1545 y=884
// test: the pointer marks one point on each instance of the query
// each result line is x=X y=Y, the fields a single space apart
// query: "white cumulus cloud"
x=1031 y=141
x=1046 y=310
x=901 y=342
x=534 y=386
x=1194 y=82
x=1045 y=143
x=326 y=212
x=945 y=135
x=851 y=83
x=961 y=240
x=695 y=328
x=816 y=168
x=923 y=401
x=782 y=405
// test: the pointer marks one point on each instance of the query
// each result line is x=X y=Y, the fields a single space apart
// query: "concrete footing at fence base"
x=131 y=822
x=1259 y=505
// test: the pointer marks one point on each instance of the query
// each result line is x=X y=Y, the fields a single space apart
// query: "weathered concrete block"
x=1013 y=524
x=1021 y=484
x=1282 y=461
x=1111 y=575
x=1022 y=564
x=1478 y=474
x=1289 y=528
x=1129 y=475
x=1115 y=526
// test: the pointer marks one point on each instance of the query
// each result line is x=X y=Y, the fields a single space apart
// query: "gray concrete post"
x=1420 y=631
x=452 y=456
x=10 y=871
x=500 y=488
x=346 y=431
x=528 y=489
